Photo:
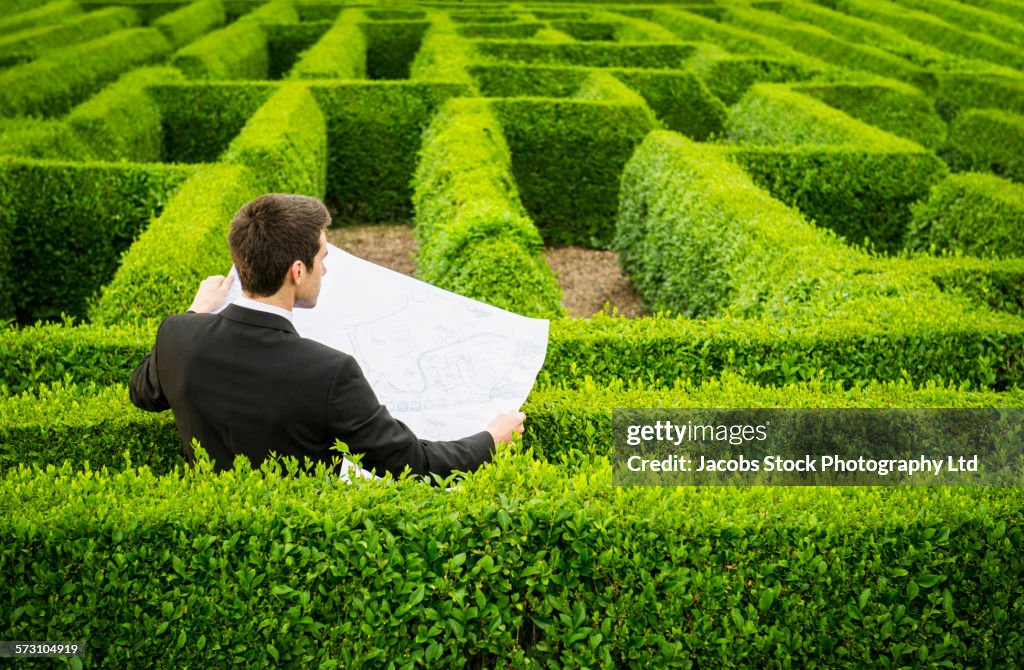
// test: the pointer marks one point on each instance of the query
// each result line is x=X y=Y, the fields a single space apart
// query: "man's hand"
x=502 y=426
x=211 y=294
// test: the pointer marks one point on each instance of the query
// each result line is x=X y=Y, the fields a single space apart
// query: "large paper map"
x=442 y=363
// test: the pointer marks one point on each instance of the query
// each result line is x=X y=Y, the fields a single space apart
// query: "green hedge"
x=339 y=54
x=513 y=80
x=581 y=53
x=567 y=423
x=987 y=140
x=41 y=138
x=697 y=237
x=238 y=51
x=927 y=28
x=822 y=44
x=519 y=30
x=926 y=341
x=680 y=100
x=960 y=91
x=971 y=18
x=201 y=119
x=691 y=26
x=285 y=143
x=391 y=47
x=191 y=22
x=890 y=105
x=81 y=217
x=977 y=214
x=53 y=83
x=521 y=566
x=373 y=131
x=997 y=284
x=275 y=11
x=185 y=244
x=443 y=54
x=567 y=157
x=588 y=31
x=47 y=14
x=729 y=77
x=287 y=41
x=866 y=32
x=123 y=122
x=849 y=176
x=474 y=236
x=572 y=420
x=33 y=42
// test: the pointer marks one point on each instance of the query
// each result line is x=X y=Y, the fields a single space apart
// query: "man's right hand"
x=502 y=426
x=212 y=293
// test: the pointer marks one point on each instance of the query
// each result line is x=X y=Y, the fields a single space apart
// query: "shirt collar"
x=249 y=303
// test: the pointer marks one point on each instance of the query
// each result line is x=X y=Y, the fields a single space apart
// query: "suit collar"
x=252 y=317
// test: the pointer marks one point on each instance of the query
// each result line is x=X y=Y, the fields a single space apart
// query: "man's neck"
x=279 y=300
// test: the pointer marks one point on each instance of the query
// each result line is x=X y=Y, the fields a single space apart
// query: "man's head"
x=276 y=237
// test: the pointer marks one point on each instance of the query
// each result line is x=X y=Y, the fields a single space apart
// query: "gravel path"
x=589 y=278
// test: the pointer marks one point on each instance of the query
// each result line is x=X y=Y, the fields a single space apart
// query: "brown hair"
x=270 y=233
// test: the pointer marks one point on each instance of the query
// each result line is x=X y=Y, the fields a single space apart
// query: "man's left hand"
x=211 y=294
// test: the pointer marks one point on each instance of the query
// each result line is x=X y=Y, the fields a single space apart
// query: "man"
x=244 y=382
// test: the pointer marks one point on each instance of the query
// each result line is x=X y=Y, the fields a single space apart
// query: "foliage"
x=60 y=79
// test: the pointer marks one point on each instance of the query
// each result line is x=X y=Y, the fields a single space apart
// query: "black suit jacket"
x=244 y=382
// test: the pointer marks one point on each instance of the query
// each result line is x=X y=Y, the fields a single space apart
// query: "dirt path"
x=589 y=278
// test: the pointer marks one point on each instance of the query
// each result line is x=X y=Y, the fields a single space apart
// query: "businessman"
x=245 y=382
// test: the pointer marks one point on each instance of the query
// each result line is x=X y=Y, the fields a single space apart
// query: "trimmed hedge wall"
x=819 y=43
x=443 y=54
x=960 y=91
x=569 y=423
x=932 y=338
x=191 y=22
x=80 y=217
x=373 y=135
x=285 y=143
x=849 y=176
x=585 y=54
x=512 y=80
x=729 y=77
x=48 y=14
x=987 y=140
x=867 y=32
x=691 y=26
x=391 y=47
x=474 y=235
x=238 y=51
x=978 y=214
x=997 y=284
x=185 y=244
x=41 y=138
x=339 y=54
x=33 y=42
x=201 y=119
x=275 y=11
x=53 y=83
x=924 y=27
x=287 y=41
x=890 y=105
x=520 y=30
x=697 y=237
x=123 y=122
x=567 y=157
x=680 y=100
x=522 y=565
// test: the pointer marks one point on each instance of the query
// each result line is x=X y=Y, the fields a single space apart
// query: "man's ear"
x=297 y=271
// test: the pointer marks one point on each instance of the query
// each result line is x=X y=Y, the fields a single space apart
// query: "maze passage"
x=820 y=203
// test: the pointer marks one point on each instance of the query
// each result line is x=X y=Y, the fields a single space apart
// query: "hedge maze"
x=821 y=204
